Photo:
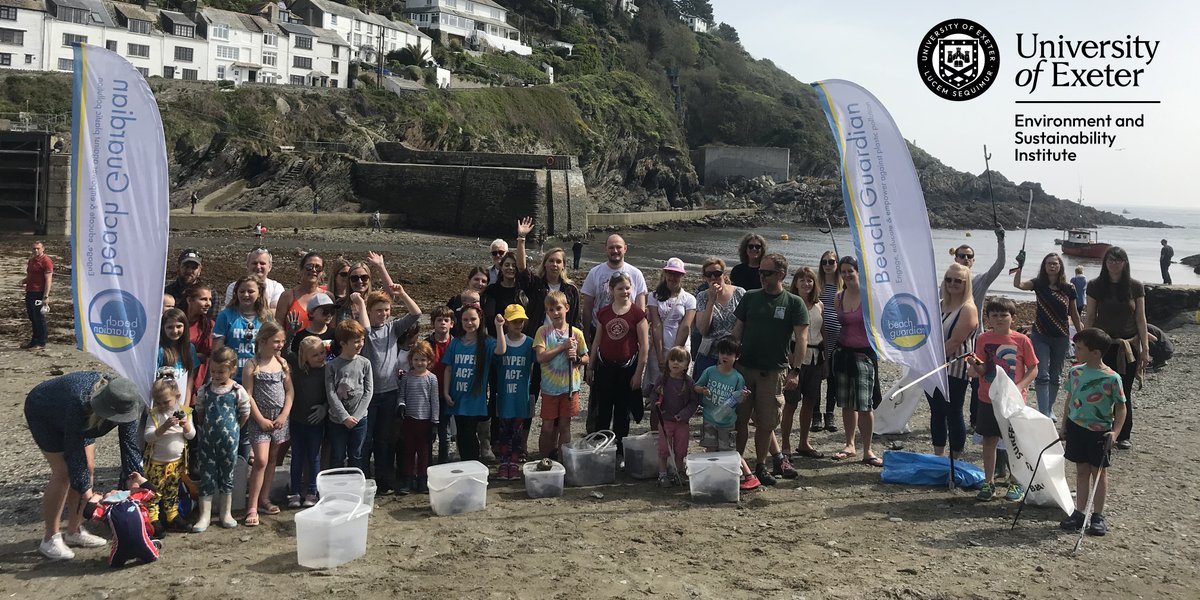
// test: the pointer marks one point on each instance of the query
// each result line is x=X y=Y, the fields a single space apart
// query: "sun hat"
x=674 y=265
x=319 y=300
x=119 y=401
x=515 y=312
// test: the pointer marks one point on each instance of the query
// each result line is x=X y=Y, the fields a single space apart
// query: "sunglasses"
x=713 y=274
x=360 y=278
x=498 y=253
x=1116 y=259
x=766 y=273
x=955 y=280
x=314 y=268
x=965 y=256
x=828 y=261
x=754 y=246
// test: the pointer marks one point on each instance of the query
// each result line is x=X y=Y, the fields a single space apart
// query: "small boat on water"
x=1082 y=242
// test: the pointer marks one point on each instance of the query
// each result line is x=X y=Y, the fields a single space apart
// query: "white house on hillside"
x=475 y=23
x=627 y=6
x=184 y=52
x=21 y=34
x=366 y=33
x=695 y=23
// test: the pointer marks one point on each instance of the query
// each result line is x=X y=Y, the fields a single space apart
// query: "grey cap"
x=319 y=300
x=119 y=401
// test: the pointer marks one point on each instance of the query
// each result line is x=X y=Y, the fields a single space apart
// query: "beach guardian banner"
x=119 y=211
x=890 y=227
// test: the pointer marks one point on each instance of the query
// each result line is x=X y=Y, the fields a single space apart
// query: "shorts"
x=1085 y=445
x=810 y=385
x=765 y=403
x=561 y=405
x=985 y=422
x=717 y=439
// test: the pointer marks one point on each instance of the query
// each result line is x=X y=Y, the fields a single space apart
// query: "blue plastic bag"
x=911 y=468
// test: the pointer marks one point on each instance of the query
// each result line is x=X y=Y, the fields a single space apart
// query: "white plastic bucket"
x=591 y=460
x=641 y=455
x=544 y=484
x=714 y=476
x=333 y=532
x=457 y=487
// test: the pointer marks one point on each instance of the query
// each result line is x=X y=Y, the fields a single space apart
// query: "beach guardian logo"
x=905 y=322
x=958 y=59
x=117 y=320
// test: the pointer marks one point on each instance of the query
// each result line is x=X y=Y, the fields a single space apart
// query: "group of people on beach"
x=323 y=369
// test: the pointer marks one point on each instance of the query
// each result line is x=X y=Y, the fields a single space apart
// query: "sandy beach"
x=836 y=532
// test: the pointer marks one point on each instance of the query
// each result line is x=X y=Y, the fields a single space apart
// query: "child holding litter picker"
x=1092 y=417
x=676 y=401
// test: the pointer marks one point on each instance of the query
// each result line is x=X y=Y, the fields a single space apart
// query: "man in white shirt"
x=499 y=249
x=595 y=286
x=258 y=262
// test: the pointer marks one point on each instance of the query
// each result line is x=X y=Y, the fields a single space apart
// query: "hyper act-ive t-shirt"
x=460 y=367
x=558 y=375
x=237 y=332
x=725 y=391
x=1093 y=396
x=516 y=370
x=1012 y=352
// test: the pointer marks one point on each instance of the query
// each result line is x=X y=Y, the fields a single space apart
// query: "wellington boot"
x=225 y=505
x=203 y=513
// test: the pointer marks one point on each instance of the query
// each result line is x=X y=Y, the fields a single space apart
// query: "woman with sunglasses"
x=751 y=250
x=292 y=309
x=1117 y=304
x=1051 y=333
x=960 y=318
x=552 y=277
x=359 y=280
x=258 y=264
x=831 y=329
x=714 y=311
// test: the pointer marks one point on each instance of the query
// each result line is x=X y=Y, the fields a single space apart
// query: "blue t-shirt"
x=516 y=369
x=460 y=366
x=181 y=374
x=725 y=391
x=1080 y=283
x=238 y=333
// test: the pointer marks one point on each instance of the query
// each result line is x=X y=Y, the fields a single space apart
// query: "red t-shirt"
x=200 y=334
x=1012 y=352
x=619 y=339
x=35 y=273
x=439 y=348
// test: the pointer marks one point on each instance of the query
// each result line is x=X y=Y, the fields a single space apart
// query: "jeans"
x=33 y=308
x=378 y=444
x=306 y=453
x=1051 y=352
x=947 y=417
x=346 y=445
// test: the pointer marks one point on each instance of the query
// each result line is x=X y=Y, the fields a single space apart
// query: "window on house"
x=185 y=31
x=433 y=18
x=332 y=83
x=220 y=71
x=12 y=36
x=5 y=60
x=29 y=59
x=333 y=19
x=71 y=39
x=270 y=59
x=168 y=72
x=336 y=50
x=358 y=39
x=304 y=42
x=269 y=39
x=8 y=13
x=66 y=64
x=220 y=31
x=333 y=68
x=302 y=62
x=144 y=71
x=184 y=54
x=191 y=74
x=228 y=52
x=73 y=15
x=297 y=80
x=139 y=26
x=450 y=3
x=139 y=50
x=358 y=25
x=111 y=45
x=370 y=29
x=424 y=17
x=469 y=6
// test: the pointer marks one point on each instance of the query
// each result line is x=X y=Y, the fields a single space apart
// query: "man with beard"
x=188 y=275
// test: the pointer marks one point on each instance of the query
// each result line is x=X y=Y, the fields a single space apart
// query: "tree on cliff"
x=726 y=32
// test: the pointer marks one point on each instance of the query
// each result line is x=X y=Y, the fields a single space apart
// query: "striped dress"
x=831 y=326
x=959 y=367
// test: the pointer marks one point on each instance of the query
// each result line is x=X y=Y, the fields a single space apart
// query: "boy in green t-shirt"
x=721 y=389
x=1092 y=416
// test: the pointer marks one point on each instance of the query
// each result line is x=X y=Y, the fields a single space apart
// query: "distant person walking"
x=1164 y=261
x=195 y=199
x=576 y=254
x=375 y=225
x=39 y=274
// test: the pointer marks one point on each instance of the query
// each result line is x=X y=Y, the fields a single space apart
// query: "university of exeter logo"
x=958 y=59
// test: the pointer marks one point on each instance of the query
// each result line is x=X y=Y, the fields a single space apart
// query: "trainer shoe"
x=764 y=475
x=1096 y=526
x=55 y=548
x=309 y=501
x=987 y=491
x=1073 y=522
x=749 y=482
x=293 y=501
x=1015 y=492
x=783 y=468
x=664 y=480
x=1124 y=444
x=84 y=539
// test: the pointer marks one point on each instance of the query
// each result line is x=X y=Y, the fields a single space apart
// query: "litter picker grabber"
x=1021 y=254
x=987 y=165
x=1029 y=485
x=1087 y=513
x=828 y=229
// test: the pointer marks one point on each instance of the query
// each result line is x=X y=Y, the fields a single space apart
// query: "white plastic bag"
x=1027 y=432
x=892 y=415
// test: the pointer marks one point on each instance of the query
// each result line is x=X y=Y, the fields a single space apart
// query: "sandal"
x=872 y=461
x=251 y=519
x=268 y=509
x=810 y=453
x=843 y=455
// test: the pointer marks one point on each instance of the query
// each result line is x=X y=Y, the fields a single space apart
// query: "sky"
x=874 y=43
